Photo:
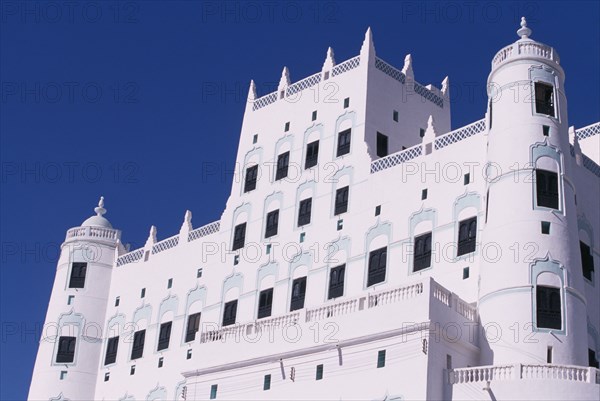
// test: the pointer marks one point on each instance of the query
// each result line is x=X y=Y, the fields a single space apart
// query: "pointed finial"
x=100 y=210
x=368 y=48
x=186 y=226
x=151 y=236
x=430 y=132
x=446 y=87
x=329 y=60
x=407 y=69
x=285 y=78
x=524 y=32
x=252 y=90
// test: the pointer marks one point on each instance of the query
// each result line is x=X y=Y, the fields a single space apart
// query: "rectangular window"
x=544 y=99
x=587 y=260
x=287 y=127
x=139 y=338
x=213 y=392
x=63 y=374
x=170 y=283
x=132 y=370
x=346 y=102
x=272 y=223
x=448 y=361
x=421 y=132
x=395 y=116
x=465 y=273
x=111 y=350
x=319 y=372
x=188 y=355
x=548 y=307
x=107 y=376
x=336 y=281
x=467 y=236
x=305 y=212
x=255 y=138
x=312 y=154
x=302 y=237
x=377 y=210
x=341 y=200
x=381 y=359
x=199 y=273
x=343 y=146
x=377 y=266
x=422 y=249
x=314 y=115
x=193 y=325
x=230 y=313
x=164 y=336
x=298 y=294
x=424 y=194
x=545 y=130
x=545 y=227
x=382 y=145
x=160 y=362
x=593 y=362
x=66 y=349
x=547 y=188
x=70 y=299
x=549 y=355
x=239 y=236
x=467 y=179
x=283 y=162
x=78 y=271
x=251 y=176
x=117 y=301
x=143 y=293
x=267 y=383
x=265 y=303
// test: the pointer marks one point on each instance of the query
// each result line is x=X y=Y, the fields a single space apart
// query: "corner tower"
x=70 y=346
x=531 y=297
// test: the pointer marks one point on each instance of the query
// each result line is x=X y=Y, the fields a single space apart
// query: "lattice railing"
x=345 y=66
x=165 y=244
x=130 y=257
x=460 y=134
x=591 y=165
x=264 y=101
x=304 y=84
x=396 y=158
x=203 y=231
x=588 y=131
x=388 y=69
x=429 y=95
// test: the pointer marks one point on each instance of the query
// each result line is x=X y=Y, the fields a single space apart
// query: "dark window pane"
x=312 y=154
x=239 y=236
x=272 y=223
x=298 y=293
x=305 y=212
x=319 y=373
x=377 y=266
x=265 y=303
x=344 y=142
x=139 y=338
x=467 y=236
x=267 y=382
x=251 y=176
x=341 y=201
x=548 y=307
x=66 y=349
x=336 y=281
x=381 y=359
x=587 y=260
x=422 y=248
x=382 y=145
x=544 y=99
x=164 y=336
x=230 y=313
x=547 y=188
x=282 y=165
x=192 y=327
x=111 y=350
x=593 y=362
x=78 y=272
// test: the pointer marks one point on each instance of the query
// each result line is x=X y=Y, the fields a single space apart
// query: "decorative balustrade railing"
x=333 y=310
x=130 y=257
x=465 y=310
x=223 y=333
x=459 y=134
x=347 y=65
x=396 y=158
x=525 y=48
x=93 y=232
x=441 y=294
x=277 y=321
x=205 y=230
x=590 y=130
x=524 y=372
x=394 y=295
x=453 y=301
x=304 y=84
x=165 y=244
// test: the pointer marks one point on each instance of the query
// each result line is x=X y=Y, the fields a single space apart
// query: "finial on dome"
x=524 y=32
x=100 y=210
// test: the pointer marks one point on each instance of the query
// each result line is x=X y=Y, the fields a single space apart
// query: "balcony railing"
x=524 y=372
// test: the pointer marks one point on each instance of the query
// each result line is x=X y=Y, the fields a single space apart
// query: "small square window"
x=236 y=260
x=189 y=354
x=160 y=362
x=302 y=236
x=467 y=179
x=346 y=102
x=287 y=126
x=340 y=224
x=319 y=373
x=377 y=210
x=546 y=130
x=381 y=359
x=395 y=116
x=117 y=301
x=107 y=376
x=255 y=138
x=199 y=273
x=314 y=115
x=70 y=299
x=424 y=194
x=421 y=132
x=143 y=294
x=545 y=227
x=63 y=374
x=465 y=273
x=132 y=370
x=170 y=283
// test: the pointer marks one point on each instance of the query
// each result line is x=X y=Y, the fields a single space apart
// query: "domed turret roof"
x=98 y=220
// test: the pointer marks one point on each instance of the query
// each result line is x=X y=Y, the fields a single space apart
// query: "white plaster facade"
x=464 y=327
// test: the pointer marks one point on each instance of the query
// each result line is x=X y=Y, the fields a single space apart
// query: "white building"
x=365 y=253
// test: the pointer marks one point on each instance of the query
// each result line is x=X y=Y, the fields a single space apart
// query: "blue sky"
x=134 y=99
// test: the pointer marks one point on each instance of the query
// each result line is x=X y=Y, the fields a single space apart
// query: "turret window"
x=548 y=307
x=544 y=99
x=111 y=350
x=546 y=188
x=298 y=294
x=283 y=161
x=422 y=249
x=193 y=326
x=305 y=212
x=336 y=282
x=230 y=313
x=341 y=200
x=467 y=235
x=251 y=176
x=239 y=236
x=377 y=266
x=66 y=349
x=343 y=146
x=312 y=154
x=587 y=260
x=382 y=145
x=265 y=303
x=164 y=336
x=78 y=272
x=272 y=223
x=139 y=338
